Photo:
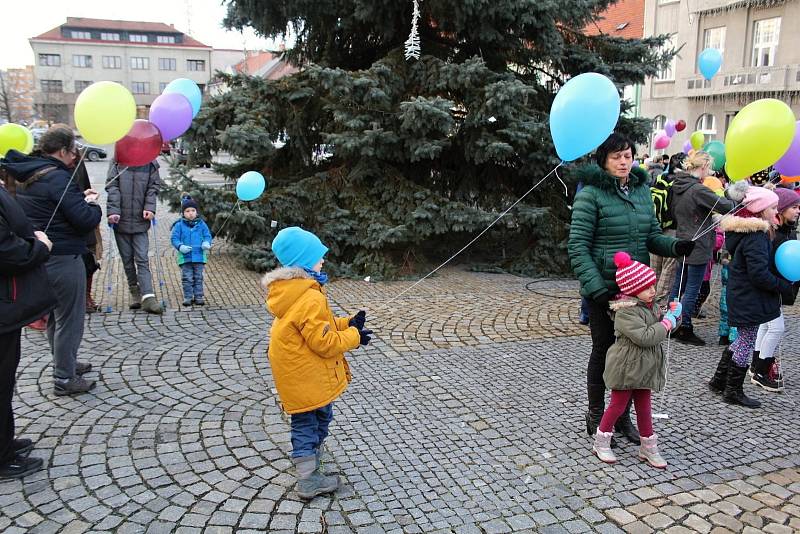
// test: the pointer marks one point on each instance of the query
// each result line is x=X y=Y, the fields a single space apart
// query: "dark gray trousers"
x=133 y=251
x=65 y=326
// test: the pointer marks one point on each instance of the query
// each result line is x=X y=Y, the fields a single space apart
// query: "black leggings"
x=601 y=328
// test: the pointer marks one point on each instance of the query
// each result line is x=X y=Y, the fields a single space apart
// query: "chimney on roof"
x=282 y=47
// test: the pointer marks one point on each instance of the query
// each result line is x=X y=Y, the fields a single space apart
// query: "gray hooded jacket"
x=135 y=191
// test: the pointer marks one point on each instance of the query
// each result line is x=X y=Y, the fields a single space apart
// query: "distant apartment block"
x=18 y=88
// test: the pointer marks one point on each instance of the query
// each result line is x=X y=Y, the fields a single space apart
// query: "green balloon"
x=716 y=149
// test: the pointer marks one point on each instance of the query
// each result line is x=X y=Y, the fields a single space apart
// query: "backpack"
x=661 y=191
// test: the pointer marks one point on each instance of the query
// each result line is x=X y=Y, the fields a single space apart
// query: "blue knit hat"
x=295 y=247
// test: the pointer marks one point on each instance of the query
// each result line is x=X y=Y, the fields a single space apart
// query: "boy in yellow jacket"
x=306 y=351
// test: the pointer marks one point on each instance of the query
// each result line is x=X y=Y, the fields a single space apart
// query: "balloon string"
x=60 y=200
x=117 y=176
x=465 y=247
x=235 y=207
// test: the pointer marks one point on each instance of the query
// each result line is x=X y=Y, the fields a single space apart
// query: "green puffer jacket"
x=604 y=221
x=636 y=359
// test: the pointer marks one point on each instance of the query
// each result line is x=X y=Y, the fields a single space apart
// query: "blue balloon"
x=709 y=61
x=250 y=186
x=583 y=115
x=787 y=260
x=189 y=89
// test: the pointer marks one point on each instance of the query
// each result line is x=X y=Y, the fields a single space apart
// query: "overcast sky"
x=201 y=19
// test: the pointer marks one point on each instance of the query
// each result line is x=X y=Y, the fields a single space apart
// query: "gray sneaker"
x=136 y=298
x=81 y=368
x=151 y=305
x=310 y=482
x=72 y=386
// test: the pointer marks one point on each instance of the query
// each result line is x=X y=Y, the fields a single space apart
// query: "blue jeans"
x=192 y=278
x=309 y=430
x=691 y=288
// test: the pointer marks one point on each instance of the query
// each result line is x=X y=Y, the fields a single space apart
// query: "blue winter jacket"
x=192 y=233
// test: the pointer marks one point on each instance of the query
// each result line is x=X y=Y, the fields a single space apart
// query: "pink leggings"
x=619 y=401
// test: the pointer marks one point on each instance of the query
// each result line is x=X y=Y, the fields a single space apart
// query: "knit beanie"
x=295 y=247
x=188 y=202
x=633 y=277
x=761 y=177
x=786 y=198
x=758 y=199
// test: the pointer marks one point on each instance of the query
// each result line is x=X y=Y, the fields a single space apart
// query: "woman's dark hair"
x=616 y=142
x=58 y=136
x=676 y=162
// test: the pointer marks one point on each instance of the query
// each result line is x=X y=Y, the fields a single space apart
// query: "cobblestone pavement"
x=465 y=415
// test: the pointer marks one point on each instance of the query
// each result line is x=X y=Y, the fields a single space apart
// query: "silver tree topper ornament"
x=412 y=44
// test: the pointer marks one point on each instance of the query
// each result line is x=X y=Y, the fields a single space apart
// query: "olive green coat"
x=605 y=221
x=636 y=359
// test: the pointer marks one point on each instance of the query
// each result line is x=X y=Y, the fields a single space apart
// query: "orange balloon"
x=789 y=179
x=713 y=183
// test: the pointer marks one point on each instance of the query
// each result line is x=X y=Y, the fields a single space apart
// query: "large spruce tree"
x=396 y=163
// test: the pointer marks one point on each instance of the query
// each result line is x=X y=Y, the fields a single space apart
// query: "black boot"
x=625 y=427
x=720 y=378
x=685 y=334
x=754 y=364
x=597 y=405
x=734 y=394
x=761 y=375
x=724 y=341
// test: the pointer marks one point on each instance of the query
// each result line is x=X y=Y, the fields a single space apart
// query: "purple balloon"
x=687 y=146
x=172 y=114
x=669 y=128
x=789 y=164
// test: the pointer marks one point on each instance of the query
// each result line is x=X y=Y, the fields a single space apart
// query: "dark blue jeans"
x=192 y=278
x=691 y=288
x=309 y=430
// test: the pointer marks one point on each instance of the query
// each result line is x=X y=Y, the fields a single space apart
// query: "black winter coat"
x=39 y=192
x=754 y=291
x=784 y=233
x=24 y=288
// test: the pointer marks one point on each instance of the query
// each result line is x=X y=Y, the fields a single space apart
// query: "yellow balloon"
x=759 y=135
x=104 y=113
x=697 y=140
x=17 y=137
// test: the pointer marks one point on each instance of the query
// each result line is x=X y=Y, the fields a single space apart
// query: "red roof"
x=253 y=62
x=119 y=25
x=622 y=19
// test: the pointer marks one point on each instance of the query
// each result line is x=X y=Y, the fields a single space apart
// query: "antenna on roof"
x=188 y=7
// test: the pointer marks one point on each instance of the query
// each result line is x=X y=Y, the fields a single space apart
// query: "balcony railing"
x=745 y=80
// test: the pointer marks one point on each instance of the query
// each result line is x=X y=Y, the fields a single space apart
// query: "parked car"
x=93 y=153
x=166 y=148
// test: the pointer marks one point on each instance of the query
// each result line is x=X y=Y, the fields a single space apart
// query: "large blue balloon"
x=709 y=61
x=584 y=113
x=787 y=260
x=250 y=186
x=189 y=89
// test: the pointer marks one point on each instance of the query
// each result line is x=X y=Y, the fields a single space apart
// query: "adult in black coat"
x=53 y=202
x=24 y=297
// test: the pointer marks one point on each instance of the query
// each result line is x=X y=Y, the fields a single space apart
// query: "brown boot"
x=91 y=305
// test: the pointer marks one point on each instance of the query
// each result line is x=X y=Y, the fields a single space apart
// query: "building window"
x=50 y=60
x=706 y=124
x=80 y=35
x=166 y=39
x=195 y=64
x=140 y=88
x=668 y=72
x=112 y=62
x=109 y=36
x=167 y=63
x=140 y=63
x=659 y=122
x=765 y=41
x=162 y=86
x=715 y=38
x=84 y=62
x=137 y=38
x=80 y=85
x=202 y=88
x=52 y=86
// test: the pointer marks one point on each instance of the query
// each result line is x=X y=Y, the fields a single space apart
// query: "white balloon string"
x=465 y=247
x=116 y=177
x=60 y=200
x=235 y=207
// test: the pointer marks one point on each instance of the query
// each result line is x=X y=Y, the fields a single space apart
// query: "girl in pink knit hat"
x=635 y=363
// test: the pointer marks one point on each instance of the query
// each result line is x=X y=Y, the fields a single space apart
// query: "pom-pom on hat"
x=188 y=202
x=295 y=247
x=633 y=277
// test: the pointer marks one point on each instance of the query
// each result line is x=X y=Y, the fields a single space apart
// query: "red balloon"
x=680 y=125
x=140 y=146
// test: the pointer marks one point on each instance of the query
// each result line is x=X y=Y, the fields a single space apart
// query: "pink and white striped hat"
x=633 y=277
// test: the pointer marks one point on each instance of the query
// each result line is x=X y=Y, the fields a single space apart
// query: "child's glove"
x=206 y=245
x=365 y=339
x=673 y=317
x=185 y=249
x=358 y=319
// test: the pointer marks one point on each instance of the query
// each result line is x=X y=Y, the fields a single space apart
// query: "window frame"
x=145 y=86
x=77 y=34
x=173 y=62
x=165 y=39
x=87 y=60
x=191 y=65
x=706 y=38
x=757 y=49
x=135 y=60
x=49 y=83
x=138 y=38
x=117 y=63
x=82 y=82
x=668 y=73
x=110 y=36
x=49 y=56
x=701 y=123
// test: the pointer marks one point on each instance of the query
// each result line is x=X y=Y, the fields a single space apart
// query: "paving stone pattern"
x=465 y=415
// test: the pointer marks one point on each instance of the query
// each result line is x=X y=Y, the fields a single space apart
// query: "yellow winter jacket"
x=307 y=343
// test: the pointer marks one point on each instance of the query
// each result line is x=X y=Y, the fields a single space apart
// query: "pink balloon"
x=661 y=141
x=669 y=128
x=172 y=114
x=687 y=146
x=789 y=164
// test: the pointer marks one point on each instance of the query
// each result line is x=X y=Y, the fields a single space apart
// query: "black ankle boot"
x=754 y=364
x=720 y=378
x=734 y=394
x=597 y=405
x=625 y=427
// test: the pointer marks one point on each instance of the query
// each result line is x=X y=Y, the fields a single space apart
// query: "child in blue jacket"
x=192 y=238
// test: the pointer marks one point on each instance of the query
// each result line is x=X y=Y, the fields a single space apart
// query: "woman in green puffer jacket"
x=613 y=212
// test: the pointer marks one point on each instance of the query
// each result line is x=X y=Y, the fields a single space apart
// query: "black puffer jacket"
x=24 y=289
x=41 y=182
x=784 y=233
x=754 y=291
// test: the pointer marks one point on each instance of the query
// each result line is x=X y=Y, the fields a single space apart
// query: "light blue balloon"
x=250 y=186
x=189 y=89
x=709 y=61
x=787 y=260
x=583 y=115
